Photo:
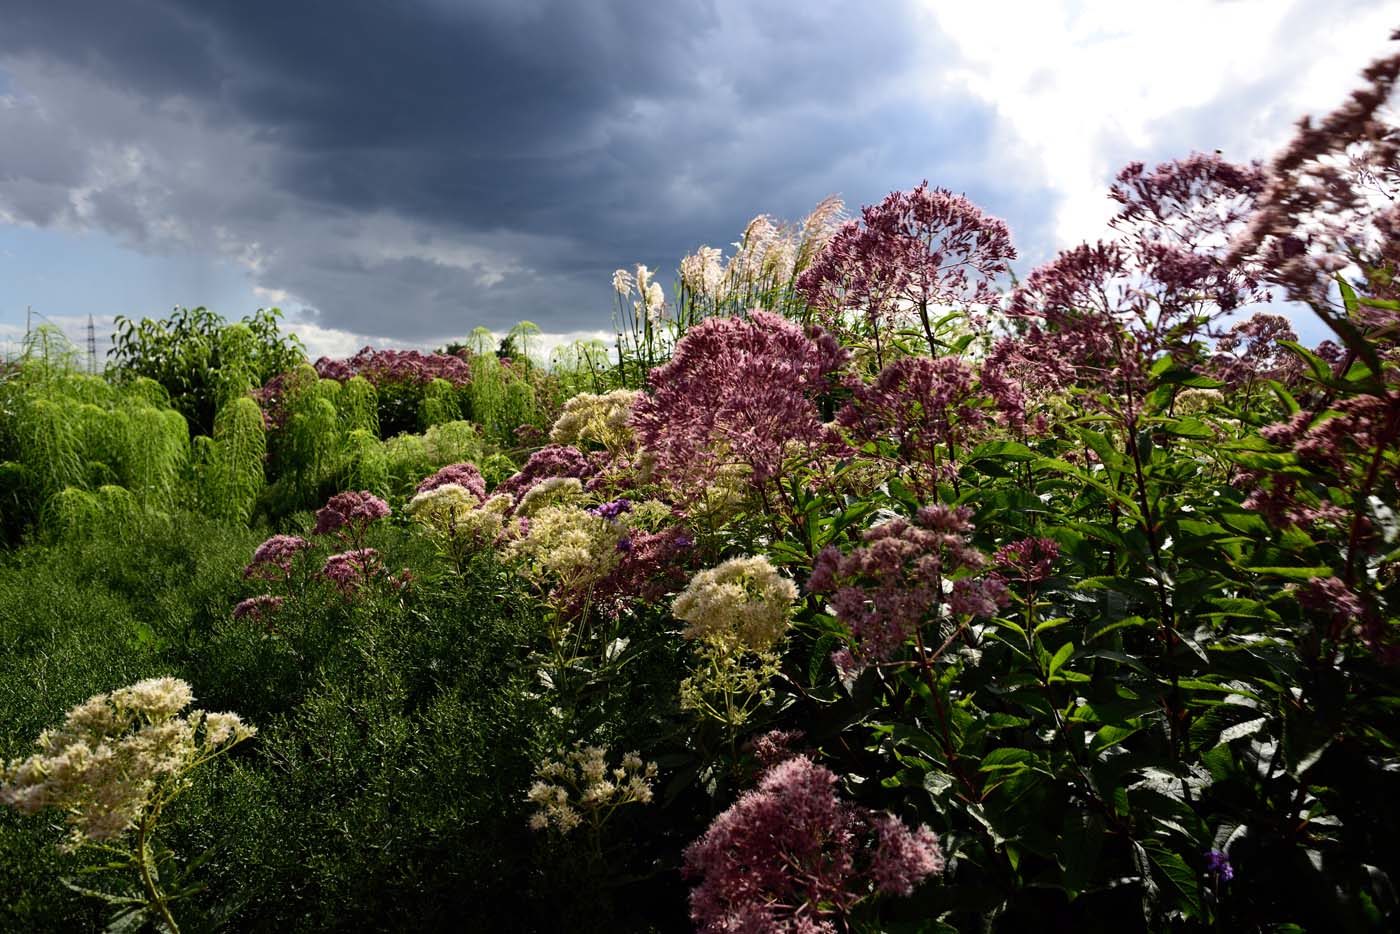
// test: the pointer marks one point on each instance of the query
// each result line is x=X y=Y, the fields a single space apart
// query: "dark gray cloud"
x=418 y=168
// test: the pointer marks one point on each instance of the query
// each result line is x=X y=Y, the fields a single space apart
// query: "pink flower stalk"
x=792 y=856
x=257 y=607
x=272 y=561
x=926 y=251
x=889 y=586
x=352 y=511
x=1326 y=207
x=737 y=391
x=1249 y=353
x=552 y=460
x=1029 y=560
x=464 y=475
x=1199 y=202
x=928 y=408
x=351 y=570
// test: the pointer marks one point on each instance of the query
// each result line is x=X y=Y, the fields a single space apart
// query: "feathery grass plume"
x=518 y=408
x=453 y=442
x=792 y=856
x=145 y=391
x=487 y=392
x=597 y=419
x=49 y=443
x=744 y=603
x=358 y=406
x=579 y=787
x=439 y=404
x=157 y=452
x=112 y=767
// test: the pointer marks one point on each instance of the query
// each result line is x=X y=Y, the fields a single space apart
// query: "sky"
x=400 y=174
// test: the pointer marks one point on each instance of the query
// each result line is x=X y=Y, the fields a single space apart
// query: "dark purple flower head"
x=1250 y=352
x=1218 y=865
x=351 y=511
x=552 y=460
x=1029 y=560
x=273 y=558
x=381 y=367
x=612 y=510
x=351 y=570
x=464 y=475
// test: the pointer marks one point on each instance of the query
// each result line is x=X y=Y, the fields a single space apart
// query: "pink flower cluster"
x=397 y=366
x=1028 y=561
x=926 y=248
x=257 y=607
x=552 y=460
x=351 y=570
x=744 y=388
x=885 y=589
x=792 y=856
x=350 y=511
x=464 y=475
x=1249 y=352
x=272 y=561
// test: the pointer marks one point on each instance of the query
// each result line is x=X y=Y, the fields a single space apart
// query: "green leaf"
x=1182 y=877
x=1081 y=841
x=1008 y=757
x=1061 y=656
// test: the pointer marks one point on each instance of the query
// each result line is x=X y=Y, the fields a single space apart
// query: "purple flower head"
x=351 y=570
x=899 y=577
x=792 y=856
x=743 y=389
x=1218 y=865
x=465 y=475
x=257 y=607
x=382 y=367
x=1250 y=352
x=612 y=510
x=273 y=558
x=351 y=510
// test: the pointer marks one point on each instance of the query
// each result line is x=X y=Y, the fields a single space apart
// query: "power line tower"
x=92 y=348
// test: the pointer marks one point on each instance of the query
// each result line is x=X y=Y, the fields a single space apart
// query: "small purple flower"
x=1218 y=865
x=350 y=570
x=612 y=510
x=273 y=558
x=624 y=545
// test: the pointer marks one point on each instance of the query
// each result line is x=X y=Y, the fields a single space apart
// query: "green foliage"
x=201 y=361
x=439 y=404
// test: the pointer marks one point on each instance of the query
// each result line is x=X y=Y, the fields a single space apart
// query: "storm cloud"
x=416 y=169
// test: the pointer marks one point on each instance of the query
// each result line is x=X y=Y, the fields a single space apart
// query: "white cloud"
x=1081 y=88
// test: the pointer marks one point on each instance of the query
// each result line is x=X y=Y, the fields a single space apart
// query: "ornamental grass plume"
x=743 y=603
x=902 y=576
x=792 y=856
x=737 y=391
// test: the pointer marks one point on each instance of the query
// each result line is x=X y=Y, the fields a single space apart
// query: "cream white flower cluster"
x=570 y=545
x=580 y=784
x=113 y=751
x=454 y=517
x=553 y=491
x=600 y=419
x=743 y=603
